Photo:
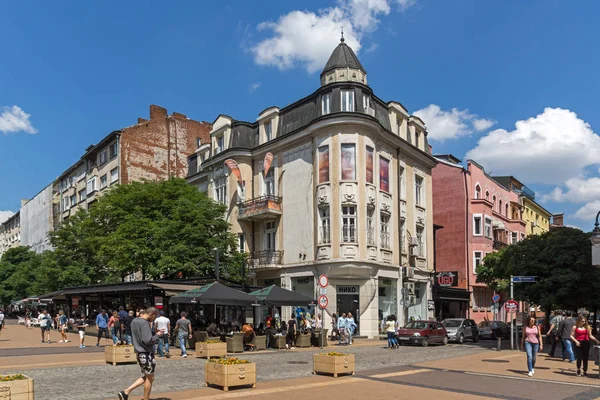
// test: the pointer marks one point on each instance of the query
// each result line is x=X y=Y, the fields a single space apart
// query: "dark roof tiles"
x=342 y=57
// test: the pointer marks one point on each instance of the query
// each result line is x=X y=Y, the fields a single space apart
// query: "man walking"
x=45 y=324
x=564 y=330
x=102 y=326
x=143 y=344
x=123 y=314
x=553 y=331
x=163 y=323
x=1 y=320
x=183 y=328
x=127 y=327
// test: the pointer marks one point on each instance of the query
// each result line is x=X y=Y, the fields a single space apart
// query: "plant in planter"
x=230 y=371
x=119 y=354
x=16 y=387
x=333 y=363
x=211 y=348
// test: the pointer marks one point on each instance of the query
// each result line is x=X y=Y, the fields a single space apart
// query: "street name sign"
x=524 y=279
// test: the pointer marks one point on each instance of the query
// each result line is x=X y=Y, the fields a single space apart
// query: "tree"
x=19 y=267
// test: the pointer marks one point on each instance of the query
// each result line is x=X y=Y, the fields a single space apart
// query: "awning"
x=277 y=297
x=214 y=293
x=497 y=224
x=451 y=294
x=173 y=289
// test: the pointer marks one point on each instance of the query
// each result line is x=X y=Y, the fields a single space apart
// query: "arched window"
x=477 y=192
x=494 y=202
x=487 y=195
x=506 y=212
x=500 y=207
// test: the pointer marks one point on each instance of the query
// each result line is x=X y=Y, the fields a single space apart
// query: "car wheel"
x=445 y=341
x=425 y=342
x=461 y=338
x=476 y=338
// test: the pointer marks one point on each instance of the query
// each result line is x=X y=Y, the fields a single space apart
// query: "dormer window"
x=366 y=102
x=220 y=144
x=268 y=131
x=326 y=104
x=347 y=100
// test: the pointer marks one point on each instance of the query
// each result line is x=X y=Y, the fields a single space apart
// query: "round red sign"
x=511 y=306
x=323 y=301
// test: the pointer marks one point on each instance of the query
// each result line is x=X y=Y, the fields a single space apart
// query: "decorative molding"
x=385 y=208
x=421 y=221
x=349 y=198
x=371 y=202
x=323 y=200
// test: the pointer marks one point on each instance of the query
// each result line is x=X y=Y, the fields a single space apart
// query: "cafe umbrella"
x=276 y=297
x=214 y=293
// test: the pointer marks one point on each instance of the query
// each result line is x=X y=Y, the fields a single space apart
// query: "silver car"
x=461 y=329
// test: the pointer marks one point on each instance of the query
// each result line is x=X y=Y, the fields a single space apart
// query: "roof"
x=276 y=296
x=342 y=57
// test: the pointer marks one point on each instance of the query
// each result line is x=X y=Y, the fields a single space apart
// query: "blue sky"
x=512 y=84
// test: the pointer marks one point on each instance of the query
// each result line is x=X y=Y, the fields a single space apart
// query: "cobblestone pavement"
x=103 y=381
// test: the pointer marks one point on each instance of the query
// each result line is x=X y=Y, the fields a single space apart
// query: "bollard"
x=498 y=344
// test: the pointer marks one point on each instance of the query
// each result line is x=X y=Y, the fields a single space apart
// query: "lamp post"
x=217 y=266
x=595 y=239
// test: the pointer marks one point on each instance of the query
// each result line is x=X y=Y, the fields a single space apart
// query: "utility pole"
x=512 y=321
x=217 y=267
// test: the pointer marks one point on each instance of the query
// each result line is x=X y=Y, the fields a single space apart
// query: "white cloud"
x=4 y=215
x=14 y=119
x=550 y=148
x=442 y=125
x=372 y=48
x=254 y=86
x=576 y=190
x=588 y=212
x=306 y=38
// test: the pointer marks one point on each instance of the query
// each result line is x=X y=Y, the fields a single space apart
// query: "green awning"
x=214 y=293
x=277 y=297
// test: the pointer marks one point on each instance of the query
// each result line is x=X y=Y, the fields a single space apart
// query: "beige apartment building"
x=337 y=183
x=10 y=233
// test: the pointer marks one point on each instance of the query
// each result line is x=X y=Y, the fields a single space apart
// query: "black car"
x=493 y=330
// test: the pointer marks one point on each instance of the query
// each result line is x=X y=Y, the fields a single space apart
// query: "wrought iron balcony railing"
x=263 y=207
x=265 y=258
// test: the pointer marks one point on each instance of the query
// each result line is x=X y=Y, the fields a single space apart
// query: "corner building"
x=347 y=194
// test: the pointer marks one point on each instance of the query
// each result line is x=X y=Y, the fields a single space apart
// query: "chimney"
x=142 y=120
x=179 y=115
x=558 y=220
x=157 y=112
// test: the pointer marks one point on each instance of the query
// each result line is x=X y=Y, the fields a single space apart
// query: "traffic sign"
x=495 y=298
x=323 y=280
x=511 y=306
x=322 y=291
x=323 y=301
x=524 y=279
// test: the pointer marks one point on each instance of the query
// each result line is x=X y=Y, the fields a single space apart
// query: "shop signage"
x=386 y=282
x=447 y=278
x=267 y=162
x=235 y=169
x=303 y=281
x=344 y=289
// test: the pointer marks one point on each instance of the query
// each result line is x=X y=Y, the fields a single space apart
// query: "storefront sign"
x=303 y=281
x=430 y=305
x=158 y=302
x=341 y=289
x=447 y=278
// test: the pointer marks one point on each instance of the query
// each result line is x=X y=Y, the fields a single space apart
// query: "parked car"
x=423 y=333
x=493 y=330
x=461 y=329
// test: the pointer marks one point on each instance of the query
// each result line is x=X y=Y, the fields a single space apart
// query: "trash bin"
x=597 y=355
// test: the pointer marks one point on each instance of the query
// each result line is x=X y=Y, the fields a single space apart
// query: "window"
x=268 y=131
x=65 y=203
x=401 y=183
x=113 y=150
x=103 y=157
x=398 y=125
x=369 y=172
x=420 y=241
x=487 y=195
x=326 y=104
x=103 y=181
x=477 y=192
x=325 y=222
x=198 y=142
x=270 y=231
x=403 y=236
x=494 y=203
x=73 y=200
x=506 y=211
x=348 y=161
x=477 y=225
x=82 y=195
x=477 y=260
x=522 y=236
x=348 y=224
x=323 y=164
x=384 y=233
x=409 y=136
x=418 y=190
x=347 y=100
x=384 y=174
x=366 y=102
x=241 y=243
x=220 y=144
x=500 y=207
x=242 y=191
x=91 y=185
x=488 y=227
x=370 y=226
x=514 y=237
x=221 y=190
x=269 y=179
x=417 y=138
x=114 y=175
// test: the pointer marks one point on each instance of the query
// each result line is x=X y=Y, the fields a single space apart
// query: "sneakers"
x=61 y=341
x=81 y=346
x=579 y=373
x=122 y=395
x=168 y=355
x=293 y=348
x=530 y=373
x=287 y=346
x=98 y=345
x=43 y=341
x=184 y=356
x=67 y=341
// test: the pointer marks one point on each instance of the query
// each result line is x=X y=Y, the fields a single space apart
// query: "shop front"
x=388 y=304
x=450 y=300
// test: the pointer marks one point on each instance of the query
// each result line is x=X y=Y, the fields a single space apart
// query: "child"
x=81 y=325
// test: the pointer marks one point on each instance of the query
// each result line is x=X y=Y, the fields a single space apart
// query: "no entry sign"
x=511 y=306
x=323 y=301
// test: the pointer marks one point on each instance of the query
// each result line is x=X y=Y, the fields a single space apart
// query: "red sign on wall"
x=447 y=278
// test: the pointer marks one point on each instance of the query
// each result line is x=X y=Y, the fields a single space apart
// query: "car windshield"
x=452 y=323
x=416 y=325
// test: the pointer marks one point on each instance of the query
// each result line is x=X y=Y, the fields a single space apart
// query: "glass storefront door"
x=348 y=301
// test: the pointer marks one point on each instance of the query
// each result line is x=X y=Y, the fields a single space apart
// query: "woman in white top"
x=390 y=329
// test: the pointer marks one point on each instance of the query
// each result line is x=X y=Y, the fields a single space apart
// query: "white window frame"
x=114 y=175
x=475 y=253
x=349 y=224
x=326 y=104
x=371 y=226
x=419 y=233
x=269 y=186
x=476 y=217
x=347 y=100
x=220 y=144
x=402 y=181
x=241 y=243
x=103 y=157
x=324 y=225
x=384 y=231
x=111 y=147
x=270 y=236
x=268 y=131
x=91 y=185
x=366 y=102
x=220 y=190
x=82 y=194
x=487 y=227
x=419 y=183
x=514 y=237
x=66 y=203
x=73 y=200
x=103 y=181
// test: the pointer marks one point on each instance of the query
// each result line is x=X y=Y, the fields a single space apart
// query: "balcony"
x=265 y=259
x=498 y=245
x=260 y=208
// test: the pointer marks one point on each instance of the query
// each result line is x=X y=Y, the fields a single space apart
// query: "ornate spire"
x=342 y=39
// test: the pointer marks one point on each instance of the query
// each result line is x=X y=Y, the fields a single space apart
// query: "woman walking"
x=62 y=324
x=334 y=327
x=581 y=335
x=114 y=326
x=532 y=342
x=390 y=329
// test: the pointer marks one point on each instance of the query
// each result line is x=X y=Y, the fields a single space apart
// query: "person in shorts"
x=45 y=321
x=62 y=326
x=81 y=325
x=143 y=344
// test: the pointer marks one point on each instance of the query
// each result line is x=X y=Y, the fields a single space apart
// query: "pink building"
x=479 y=216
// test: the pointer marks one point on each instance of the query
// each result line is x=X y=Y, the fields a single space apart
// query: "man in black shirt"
x=127 y=327
x=564 y=330
x=291 y=333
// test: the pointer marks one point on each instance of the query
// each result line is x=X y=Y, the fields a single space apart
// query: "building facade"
x=36 y=220
x=10 y=233
x=337 y=183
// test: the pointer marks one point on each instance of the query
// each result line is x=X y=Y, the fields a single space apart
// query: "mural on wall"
x=369 y=165
x=323 y=164
x=384 y=174
x=348 y=162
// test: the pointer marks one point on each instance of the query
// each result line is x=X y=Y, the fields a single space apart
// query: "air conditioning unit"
x=410 y=272
x=414 y=241
x=414 y=251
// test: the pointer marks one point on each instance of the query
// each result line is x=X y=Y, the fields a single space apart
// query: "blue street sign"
x=495 y=298
x=524 y=279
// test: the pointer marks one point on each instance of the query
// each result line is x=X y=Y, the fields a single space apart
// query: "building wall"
x=536 y=218
x=10 y=233
x=36 y=221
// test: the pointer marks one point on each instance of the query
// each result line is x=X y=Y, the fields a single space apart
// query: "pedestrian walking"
x=45 y=323
x=564 y=330
x=114 y=326
x=581 y=334
x=1 y=321
x=102 y=326
x=553 y=331
x=63 y=326
x=342 y=328
x=350 y=327
x=290 y=337
x=532 y=342
x=163 y=323
x=335 y=333
x=127 y=327
x=143 y=345
x=390 y=329
x=81 y=325
x=183 y=327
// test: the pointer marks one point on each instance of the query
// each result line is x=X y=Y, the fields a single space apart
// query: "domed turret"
x=343 y=66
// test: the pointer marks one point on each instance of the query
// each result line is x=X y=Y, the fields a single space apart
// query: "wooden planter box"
x=227 y=376
x=119 y=354
x=17 y=390
x=209 y=350
x=335 y=365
